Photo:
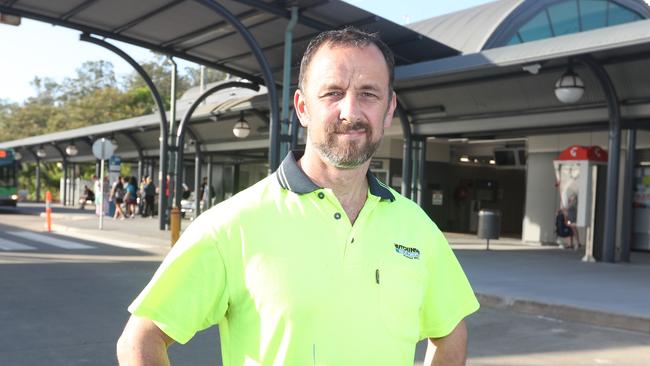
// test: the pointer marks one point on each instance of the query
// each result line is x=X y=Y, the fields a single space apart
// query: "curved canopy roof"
x=467 y=30
x=189 y=29
x=211 y=127
x=506 y=22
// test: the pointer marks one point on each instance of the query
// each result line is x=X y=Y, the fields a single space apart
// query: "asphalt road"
x=67 y=305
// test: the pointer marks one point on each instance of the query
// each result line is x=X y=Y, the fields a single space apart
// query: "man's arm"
x=143 y=343
x=450 y=350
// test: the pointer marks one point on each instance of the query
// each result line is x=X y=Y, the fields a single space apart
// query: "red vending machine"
x=576 y=173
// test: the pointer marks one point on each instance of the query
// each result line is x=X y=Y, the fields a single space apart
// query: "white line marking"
x=6 y=244
x=45 y=239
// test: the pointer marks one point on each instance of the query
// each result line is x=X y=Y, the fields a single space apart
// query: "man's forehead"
x=334 y=63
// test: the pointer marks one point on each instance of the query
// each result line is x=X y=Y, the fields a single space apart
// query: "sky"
x=39 y=49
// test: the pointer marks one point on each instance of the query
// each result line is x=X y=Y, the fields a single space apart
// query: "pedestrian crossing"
x=6 y=244
x=36 y=241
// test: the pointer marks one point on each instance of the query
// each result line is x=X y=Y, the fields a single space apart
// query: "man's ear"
x=391 y=109
x=300 y=107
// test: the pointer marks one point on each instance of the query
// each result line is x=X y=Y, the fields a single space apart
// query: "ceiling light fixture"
x=241 y=129
x=569 y=88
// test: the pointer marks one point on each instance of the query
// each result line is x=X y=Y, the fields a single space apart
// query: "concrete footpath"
x=540 y=280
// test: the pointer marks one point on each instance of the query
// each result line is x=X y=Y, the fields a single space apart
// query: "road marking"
x=6 y=244
x=48 y=240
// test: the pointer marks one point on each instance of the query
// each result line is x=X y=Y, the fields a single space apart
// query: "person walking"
x=131 y=197
x=320 y=263
x=117 y=196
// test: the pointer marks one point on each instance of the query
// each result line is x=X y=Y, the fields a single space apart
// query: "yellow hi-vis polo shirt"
x=290 y=281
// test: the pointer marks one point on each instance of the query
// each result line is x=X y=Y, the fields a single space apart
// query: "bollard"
x=175 y=224
x=48 y=210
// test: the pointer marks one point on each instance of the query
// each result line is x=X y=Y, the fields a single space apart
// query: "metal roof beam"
x=188 y=36
x=360 y=23
x=77 y=9
x=284 y=13
x=118 y=37
x=249 y=27
x=144 y=17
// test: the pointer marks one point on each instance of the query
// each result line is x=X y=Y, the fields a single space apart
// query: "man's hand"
x=450 y=350
x=143 y=343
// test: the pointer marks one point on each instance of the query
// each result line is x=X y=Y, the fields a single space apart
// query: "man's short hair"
x=347 y=37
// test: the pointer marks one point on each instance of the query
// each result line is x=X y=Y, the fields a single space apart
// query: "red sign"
x=3 y=154
x=577 y=152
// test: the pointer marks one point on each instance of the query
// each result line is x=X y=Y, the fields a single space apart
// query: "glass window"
x=593 y=14
x=513 y=40
x=620 y=15
x=536 y=28
x=7 y=176
x=572 y=16
x=564 y=17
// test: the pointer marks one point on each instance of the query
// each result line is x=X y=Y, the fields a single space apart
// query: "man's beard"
x=346 y=154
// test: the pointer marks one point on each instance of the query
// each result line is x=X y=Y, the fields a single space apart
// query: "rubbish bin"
x=489 y=225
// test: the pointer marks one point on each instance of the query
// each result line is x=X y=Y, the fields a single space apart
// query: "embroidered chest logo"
x=410 y=253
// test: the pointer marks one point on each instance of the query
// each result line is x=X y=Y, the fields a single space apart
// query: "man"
x=206 y=194
x=319 y=263
x=149 y=190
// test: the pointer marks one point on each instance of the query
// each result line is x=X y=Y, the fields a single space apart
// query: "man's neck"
x=350 y=186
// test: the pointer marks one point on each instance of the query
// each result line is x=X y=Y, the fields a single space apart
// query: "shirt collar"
x=291 y=177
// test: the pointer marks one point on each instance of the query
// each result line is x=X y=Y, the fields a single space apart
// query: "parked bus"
x=8 y=181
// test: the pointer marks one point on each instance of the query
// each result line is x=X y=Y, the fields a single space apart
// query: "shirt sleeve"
x=448 y=297
x=188 y=292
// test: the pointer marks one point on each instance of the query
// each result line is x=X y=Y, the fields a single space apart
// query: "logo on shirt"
x=410 y=253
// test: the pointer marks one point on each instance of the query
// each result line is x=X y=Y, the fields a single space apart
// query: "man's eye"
x=333 y=94
x=369 y=95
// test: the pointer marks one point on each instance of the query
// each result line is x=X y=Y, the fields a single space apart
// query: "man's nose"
x=350 y=108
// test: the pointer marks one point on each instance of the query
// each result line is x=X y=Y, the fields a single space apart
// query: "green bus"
x=8 y=181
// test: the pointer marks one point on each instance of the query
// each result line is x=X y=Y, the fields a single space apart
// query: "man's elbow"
x=122 y=348
x=142 y=343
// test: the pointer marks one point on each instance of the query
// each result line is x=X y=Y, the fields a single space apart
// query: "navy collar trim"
x=292 y=178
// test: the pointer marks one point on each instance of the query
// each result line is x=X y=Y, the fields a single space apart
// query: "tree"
x=209 y=75
x=160 y=72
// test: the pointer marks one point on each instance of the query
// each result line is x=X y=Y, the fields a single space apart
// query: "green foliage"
x=93 y=96
x=51 y=175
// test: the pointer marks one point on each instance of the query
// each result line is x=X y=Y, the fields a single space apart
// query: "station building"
x=485 y=121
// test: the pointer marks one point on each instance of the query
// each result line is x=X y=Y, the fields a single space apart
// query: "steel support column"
x=295 y=128
x=174 y=170
x=64 y=168
x=415 y=167
x=209 y=174
x=197 y=182
x=274 y=156
x=162 y=175
x=628 y=196
x=38 y=176
x=614 y=152
x=235 y=178
x=183 y=125
x=198 y=157
x=406 y=157
x=285 y=143
x=422 y=177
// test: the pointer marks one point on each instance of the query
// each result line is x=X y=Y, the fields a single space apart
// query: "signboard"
x=436 y=198
x=114 y=164
x=103 y=149
x=642 y=187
